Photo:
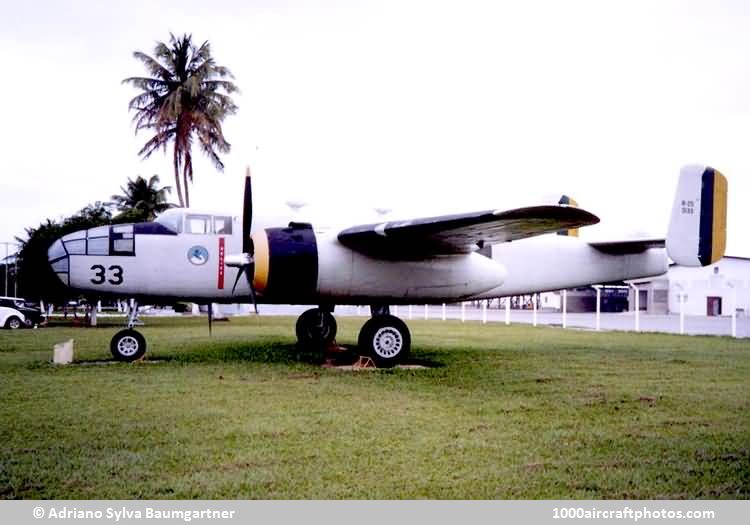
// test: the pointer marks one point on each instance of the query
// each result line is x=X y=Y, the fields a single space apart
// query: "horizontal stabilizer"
x=627 y=247
x=698 y=227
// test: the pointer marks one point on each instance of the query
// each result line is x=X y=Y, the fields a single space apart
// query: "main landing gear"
x=384 y=337
x=128 y=345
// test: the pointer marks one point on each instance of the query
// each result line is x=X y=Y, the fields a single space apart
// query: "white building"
x=712 y=290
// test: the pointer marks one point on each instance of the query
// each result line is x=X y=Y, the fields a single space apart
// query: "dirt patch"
x=348 y=359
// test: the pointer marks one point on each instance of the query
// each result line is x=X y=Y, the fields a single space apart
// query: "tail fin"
x=567 y=201
x=698 y=229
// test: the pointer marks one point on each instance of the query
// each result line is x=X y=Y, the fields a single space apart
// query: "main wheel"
x=13 y=323
x=386 y=340
x=316 y=328
x=128 y=345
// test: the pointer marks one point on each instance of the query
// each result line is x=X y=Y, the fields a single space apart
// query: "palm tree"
x=144 y=197
x=184 y=99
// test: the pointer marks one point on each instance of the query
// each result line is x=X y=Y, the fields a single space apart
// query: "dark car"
x=32 y=312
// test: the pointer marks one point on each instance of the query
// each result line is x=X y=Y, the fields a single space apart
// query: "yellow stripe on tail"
x=567 y=201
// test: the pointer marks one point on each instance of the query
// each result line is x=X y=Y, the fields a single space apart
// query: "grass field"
x=503 y=412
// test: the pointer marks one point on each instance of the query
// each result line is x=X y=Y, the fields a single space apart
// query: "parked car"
x=31 y=314
x=11 y=318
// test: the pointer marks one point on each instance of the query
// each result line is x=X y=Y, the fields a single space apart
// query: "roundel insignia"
x=197 y=255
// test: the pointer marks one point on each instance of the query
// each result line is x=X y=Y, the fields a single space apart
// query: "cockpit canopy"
x=180 y=220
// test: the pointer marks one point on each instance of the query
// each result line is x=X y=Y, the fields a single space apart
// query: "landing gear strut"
x=316 y=327
x=384 y=338
x=128 y=345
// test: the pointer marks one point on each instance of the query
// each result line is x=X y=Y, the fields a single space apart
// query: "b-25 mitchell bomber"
x=207 y=258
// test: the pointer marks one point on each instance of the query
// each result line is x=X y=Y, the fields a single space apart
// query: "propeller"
x=246 y=261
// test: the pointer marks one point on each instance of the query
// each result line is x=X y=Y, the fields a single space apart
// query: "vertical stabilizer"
x=698 y=228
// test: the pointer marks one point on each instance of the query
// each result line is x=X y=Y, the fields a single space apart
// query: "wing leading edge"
x=462 y=233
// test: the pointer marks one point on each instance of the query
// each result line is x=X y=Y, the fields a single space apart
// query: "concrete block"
x=63 y=353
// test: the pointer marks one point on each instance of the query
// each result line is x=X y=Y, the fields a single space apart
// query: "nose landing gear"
x=128 y=345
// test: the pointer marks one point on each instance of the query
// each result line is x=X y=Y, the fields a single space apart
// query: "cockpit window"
x=180 y=221
x=171 y=219
x=223 y=225
x=98 y=246
x=99 y=231
x=200 y=224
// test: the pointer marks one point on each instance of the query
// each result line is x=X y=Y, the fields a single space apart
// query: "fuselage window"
x=57 y=251
x=99 y=246
x=200 y=224
x=123 y=246
x=99 y=231
x=122 y=240
x=223 y=225
x=77 y=247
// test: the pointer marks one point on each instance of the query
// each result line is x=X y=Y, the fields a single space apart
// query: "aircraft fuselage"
x=301 y=265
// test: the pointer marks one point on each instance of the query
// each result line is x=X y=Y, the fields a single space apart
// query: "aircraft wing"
x=462 y=233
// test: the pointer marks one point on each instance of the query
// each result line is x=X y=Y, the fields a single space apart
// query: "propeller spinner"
x=246 y=261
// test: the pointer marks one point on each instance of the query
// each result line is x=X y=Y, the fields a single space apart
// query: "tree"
x=141 y=199
x=184 y=100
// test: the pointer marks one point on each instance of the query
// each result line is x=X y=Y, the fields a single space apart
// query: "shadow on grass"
x=270 y=351
x=267 y=351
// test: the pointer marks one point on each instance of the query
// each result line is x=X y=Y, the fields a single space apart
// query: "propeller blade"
x=252 y=290
x=210 y=319
x=246 y=262
x=237 y=279
x=247 y=215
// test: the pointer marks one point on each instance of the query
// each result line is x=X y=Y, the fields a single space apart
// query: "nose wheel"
x=128 y=345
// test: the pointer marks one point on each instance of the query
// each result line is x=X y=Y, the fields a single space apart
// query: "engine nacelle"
x=286 y=264
x=295 y=265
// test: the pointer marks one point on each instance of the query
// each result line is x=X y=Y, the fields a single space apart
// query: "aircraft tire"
x=316 y=328
x=128 y=345
x=13 y=323
x=386 y=339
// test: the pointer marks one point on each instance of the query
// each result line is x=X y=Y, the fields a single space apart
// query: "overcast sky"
x=421 y=107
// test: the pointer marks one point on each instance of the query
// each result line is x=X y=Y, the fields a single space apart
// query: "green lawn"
x=503 y=412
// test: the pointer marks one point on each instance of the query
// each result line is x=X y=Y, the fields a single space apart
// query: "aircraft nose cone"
x=57 y=256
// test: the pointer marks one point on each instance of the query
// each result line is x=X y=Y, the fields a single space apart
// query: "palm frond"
x=183 y=99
